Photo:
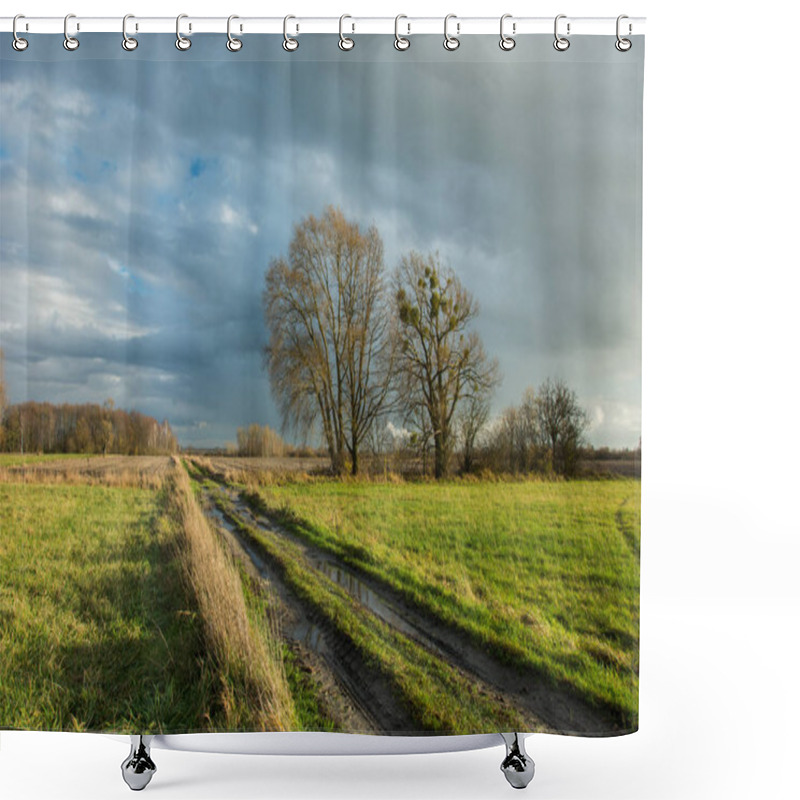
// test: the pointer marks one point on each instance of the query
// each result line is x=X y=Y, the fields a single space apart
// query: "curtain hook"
x=451 y=42
x=233 y=44
x=623 y=45
x=400 y=42
x=70 y=42
x=507 y=42
x=561 y=43
x=19 y=44
x=128 y=42
x=344 y=42
x=181 y=42
x=290 y=44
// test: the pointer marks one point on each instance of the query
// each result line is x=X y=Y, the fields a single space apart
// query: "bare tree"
x=441 y=360
x=330 y=350
x=561 y=424
x=472 y=418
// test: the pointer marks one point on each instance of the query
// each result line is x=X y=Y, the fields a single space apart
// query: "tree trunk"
x=337 y=462
x=439 y=456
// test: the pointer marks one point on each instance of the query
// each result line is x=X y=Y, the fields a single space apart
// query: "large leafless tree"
x=441 y=358
x=330 y=348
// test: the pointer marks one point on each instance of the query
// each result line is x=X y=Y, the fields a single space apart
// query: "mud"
x=355 y=705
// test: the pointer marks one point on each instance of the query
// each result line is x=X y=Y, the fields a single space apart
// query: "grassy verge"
x=96 y=629
x=437 y=696
x=543 y=574
x=246 y=653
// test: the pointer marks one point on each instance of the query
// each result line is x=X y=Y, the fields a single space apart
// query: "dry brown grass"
x=255 y=693
x=141 y=472
x=259 y=471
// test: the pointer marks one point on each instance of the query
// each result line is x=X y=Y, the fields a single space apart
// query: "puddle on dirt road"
x=340 y=576
x=305 y=631
x=344 y=578
x=309 y=634
x=354 y=587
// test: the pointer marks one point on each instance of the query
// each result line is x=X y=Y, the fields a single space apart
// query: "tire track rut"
x=543 y=705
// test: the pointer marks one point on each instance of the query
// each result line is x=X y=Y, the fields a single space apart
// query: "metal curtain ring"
x=344 y=42
x=289 y=43
x=70 y=42
x=233 y=44
x=128 y=42
x=623 y=45
x=450 y=42
x=181 y=42
x=507 y=42
x=561 y=43
x=18 y=43
x=400 y=42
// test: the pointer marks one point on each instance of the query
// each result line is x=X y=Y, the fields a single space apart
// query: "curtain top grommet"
x=561 y=43
x=18 y=43
x=451 y=43
x=70 y=42
x=181 y=41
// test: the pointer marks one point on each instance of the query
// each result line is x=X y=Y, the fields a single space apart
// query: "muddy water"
x=343 y=577
x=357 y=705
x=304 y=631
x=309 y=634
x=364 y=595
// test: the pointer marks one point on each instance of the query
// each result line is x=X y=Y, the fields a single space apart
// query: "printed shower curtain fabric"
x=321 y=386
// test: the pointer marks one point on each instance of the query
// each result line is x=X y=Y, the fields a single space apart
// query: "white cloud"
x=236 y=219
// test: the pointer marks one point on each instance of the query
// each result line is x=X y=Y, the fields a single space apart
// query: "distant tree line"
x=259 y=441
x=353 y=348
x=86 y=428
x=544 y=433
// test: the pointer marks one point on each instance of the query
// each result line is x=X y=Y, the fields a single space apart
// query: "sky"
x=143 y=195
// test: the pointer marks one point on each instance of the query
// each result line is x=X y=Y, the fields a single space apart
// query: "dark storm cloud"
x=142 y=201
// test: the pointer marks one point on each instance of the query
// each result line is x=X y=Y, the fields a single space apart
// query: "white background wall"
x=721 y=538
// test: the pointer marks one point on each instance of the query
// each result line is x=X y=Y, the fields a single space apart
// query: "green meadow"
x=122 y=610
x=545 y=574
x=96 y=628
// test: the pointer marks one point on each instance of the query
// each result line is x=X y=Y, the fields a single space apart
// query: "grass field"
x=119 y=611
x=97 y=632
x=121 y=608
x=437 y=696
x=545 y=574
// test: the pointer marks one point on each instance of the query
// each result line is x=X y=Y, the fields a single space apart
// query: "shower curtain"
x=321 y=385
